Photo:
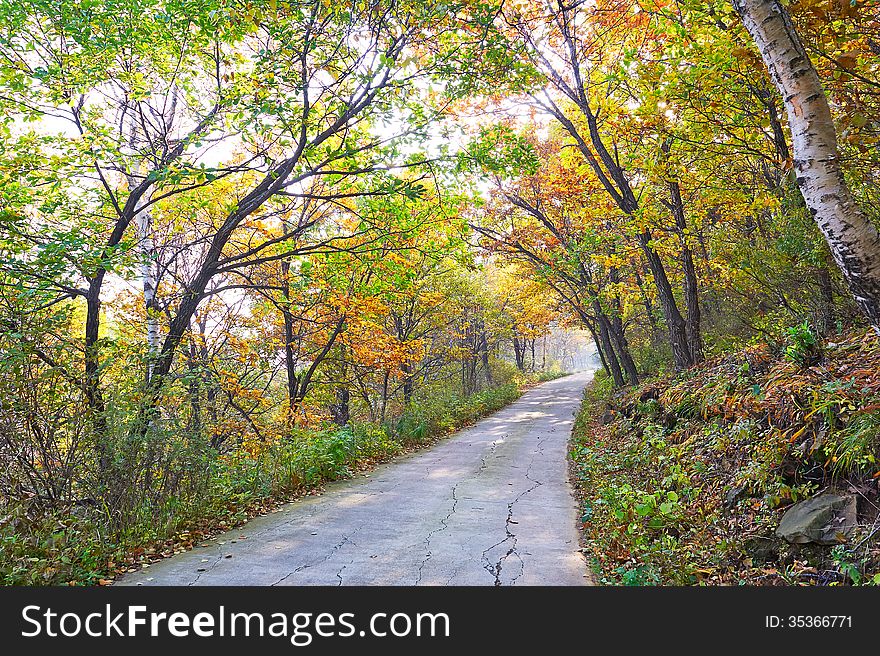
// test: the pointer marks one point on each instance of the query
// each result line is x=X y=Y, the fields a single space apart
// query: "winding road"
x=491 y=505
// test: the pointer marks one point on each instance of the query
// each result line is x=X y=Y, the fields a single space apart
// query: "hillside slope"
x=685 y=480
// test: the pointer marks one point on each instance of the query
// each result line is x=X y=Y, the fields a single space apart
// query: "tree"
x=576 y=36
x=854 y=241
x=546 y=217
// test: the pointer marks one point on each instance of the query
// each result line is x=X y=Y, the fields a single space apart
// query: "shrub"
x=803 y=346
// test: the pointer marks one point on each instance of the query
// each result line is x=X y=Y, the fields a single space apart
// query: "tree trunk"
x=208 y=382
x=776 y=176
x=405 y=369
x=383 y=408
x=519 y=352
x=340 y=410
x=853 y=239
x=692 y=299
x=470 y=353
x=484 y=355
x=143 y=221
x=290 y=364
x=195 y=400
x=626 y=360
x=92 y=374
x=289 y=354
x=681 y=352
x=604 y=344
x=649 y=307
x=691 y=286
x=711 y=304
x=304 y=379
x=148 y=277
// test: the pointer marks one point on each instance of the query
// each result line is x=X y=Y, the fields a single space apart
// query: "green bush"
x=855 y=449
x=431 y=417
x=803 y=346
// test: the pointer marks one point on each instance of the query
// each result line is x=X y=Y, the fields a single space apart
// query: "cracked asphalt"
x=491 y=505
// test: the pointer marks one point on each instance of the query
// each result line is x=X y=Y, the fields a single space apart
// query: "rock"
x=652 y=393
x=733 y=495
x=826 y=519
x=607 y=417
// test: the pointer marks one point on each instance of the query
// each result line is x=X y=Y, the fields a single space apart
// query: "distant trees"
x=551 y=224
x=573 y=55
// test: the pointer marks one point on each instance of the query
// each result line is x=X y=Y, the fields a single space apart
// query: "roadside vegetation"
x=75 y=546
x=684 y=479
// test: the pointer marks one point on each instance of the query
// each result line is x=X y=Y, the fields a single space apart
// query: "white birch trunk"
x=147 y=273
x=143 y=221
x=146 y=248
x=853 y=239
x=148 y=276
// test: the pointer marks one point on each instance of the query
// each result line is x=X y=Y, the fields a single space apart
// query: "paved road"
x=490 y=506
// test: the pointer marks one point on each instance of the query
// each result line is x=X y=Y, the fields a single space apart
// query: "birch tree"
x=854 y=241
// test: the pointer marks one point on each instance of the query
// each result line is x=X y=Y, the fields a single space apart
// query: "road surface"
x=491 y=505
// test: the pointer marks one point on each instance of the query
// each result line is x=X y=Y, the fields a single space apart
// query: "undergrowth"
x=683 y=480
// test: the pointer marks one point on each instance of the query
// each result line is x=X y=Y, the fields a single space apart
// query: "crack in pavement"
x=443 y=526
x=484 y=459
x=341 y=569
x=345 y=540
x=539 y=450
x=204 y=570
x=495 y=570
